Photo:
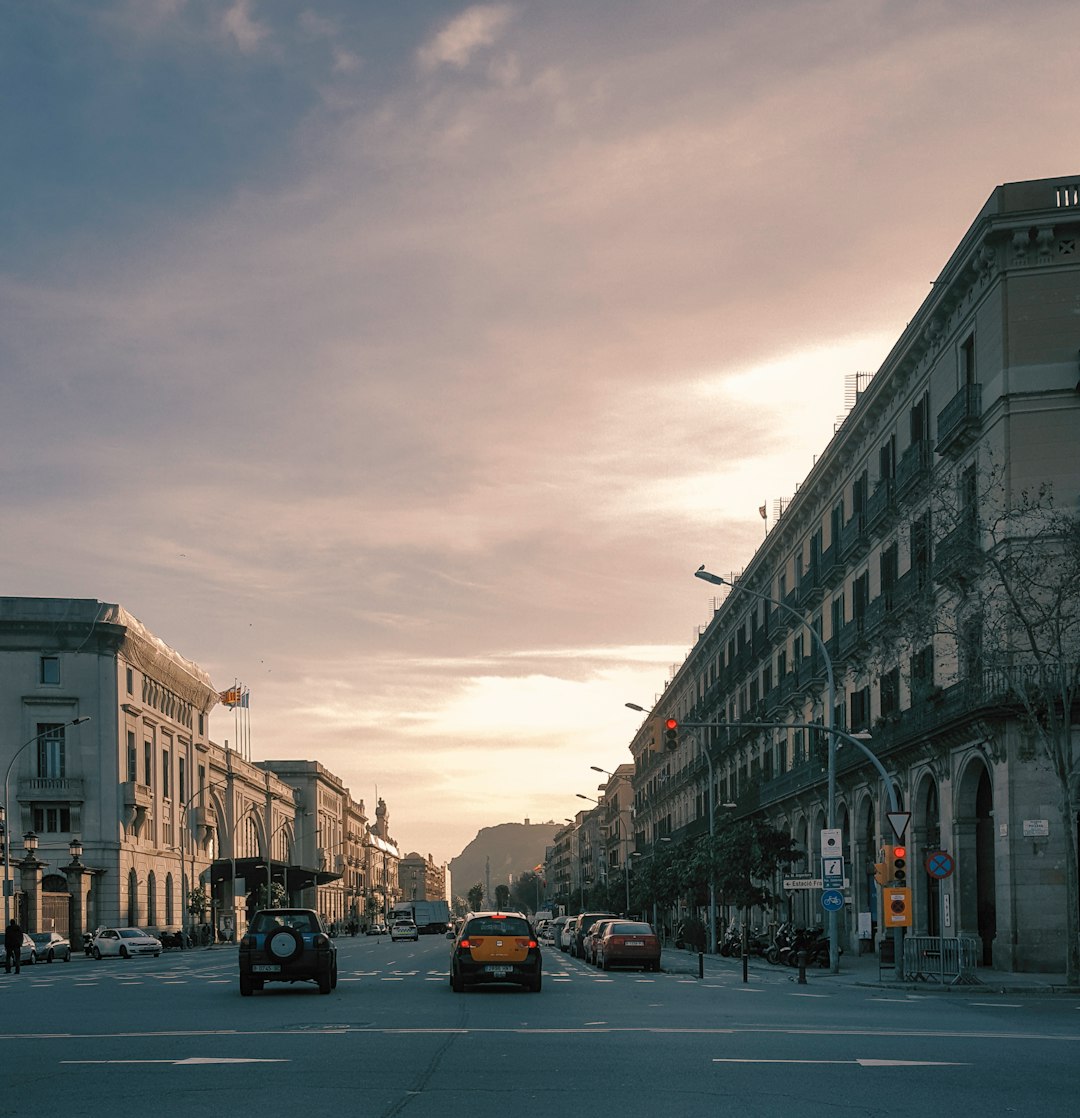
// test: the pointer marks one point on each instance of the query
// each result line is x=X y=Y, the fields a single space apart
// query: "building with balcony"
x=420 y=879
x=885 y=552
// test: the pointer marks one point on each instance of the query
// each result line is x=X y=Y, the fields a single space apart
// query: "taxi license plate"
x=266 y=968
x=634 y=943
x=498 y=972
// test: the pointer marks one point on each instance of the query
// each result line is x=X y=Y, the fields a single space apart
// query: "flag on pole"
x=762 y=512
x=231 y=697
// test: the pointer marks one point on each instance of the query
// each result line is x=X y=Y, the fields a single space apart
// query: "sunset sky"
x=403 y=360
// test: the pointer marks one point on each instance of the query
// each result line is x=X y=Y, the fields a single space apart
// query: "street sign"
x=802 y=883
x=832 y=900
x=832 y=872
x=939 y=864
x=896 y=907
x=832 y=841
x=899 y=821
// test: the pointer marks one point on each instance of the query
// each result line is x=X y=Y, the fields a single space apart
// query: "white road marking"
x=189 y=1060
x=1000 y=1005
x=861 y=1063
x=797 y=994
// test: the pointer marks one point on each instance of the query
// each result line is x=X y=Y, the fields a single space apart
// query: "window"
x=148 y=764
x=52 y=819
x=922 y=672
x=859 y=493
x=967 y=360
x=165 y=773
x=889 y=693
x=890 y=568
x=887 y=459
x=132 y=758
x=182 y=778
x=50 y=750
x=860 y=709
x=920 y=549
x=860 y=598
x=920 y=420
x=50 y=669
x=130 y=681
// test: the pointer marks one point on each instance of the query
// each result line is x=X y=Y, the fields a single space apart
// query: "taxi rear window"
x=487 y=926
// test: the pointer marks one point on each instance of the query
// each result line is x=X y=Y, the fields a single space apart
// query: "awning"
x=253 y=871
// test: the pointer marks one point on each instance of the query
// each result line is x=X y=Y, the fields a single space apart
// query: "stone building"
x=420 y=879
x=880 y=568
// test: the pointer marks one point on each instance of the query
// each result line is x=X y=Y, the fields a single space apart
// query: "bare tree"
x=1006 y=624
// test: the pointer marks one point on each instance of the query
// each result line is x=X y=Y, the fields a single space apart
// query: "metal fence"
x=950 y=961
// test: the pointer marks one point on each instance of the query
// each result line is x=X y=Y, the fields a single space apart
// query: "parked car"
x=287 y=945
x=566 y=938
x=584 y=922
x=495 y=947
x=628 y=943
x=591 y=938
x=403 y=929
x=51 y=945
x=125 y=942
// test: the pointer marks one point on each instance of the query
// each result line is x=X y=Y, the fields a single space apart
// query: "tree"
x=527 y=892
x=1006 y=625
x=502 y=896
x=476 y=897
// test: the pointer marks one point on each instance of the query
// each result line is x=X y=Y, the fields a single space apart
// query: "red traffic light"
x=899 y=852
x=671 y=734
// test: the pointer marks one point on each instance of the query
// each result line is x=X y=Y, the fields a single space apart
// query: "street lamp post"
x=8 y=883
x=815 y=636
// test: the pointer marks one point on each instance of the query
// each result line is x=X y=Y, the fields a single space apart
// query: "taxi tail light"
x=523 y=942
x=474 y=942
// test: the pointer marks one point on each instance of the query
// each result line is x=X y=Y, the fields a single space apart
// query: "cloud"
x=459 y=40
x=240 y=24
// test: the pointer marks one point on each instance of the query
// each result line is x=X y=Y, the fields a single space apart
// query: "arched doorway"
x=133 y=900
x=975 y=832
x=926 y=837
x=55 y=904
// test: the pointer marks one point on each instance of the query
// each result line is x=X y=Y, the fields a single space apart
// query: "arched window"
x=151 y=899
x=169 y=909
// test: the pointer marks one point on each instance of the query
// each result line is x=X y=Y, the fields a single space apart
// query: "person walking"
x=13 y=937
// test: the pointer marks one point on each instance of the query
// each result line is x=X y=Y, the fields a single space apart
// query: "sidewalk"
x=862 y=970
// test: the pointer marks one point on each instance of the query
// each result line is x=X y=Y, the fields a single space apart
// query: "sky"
x=403 y=361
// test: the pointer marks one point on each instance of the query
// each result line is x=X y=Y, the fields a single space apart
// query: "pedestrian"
x=13 y=937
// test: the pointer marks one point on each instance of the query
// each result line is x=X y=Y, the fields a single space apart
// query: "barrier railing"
x=950 y=961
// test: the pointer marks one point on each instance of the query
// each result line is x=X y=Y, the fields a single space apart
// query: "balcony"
x=69 y=789
x=847 y=640
x=852 y=538
x=958 y=555
x=879 y=504
x=913 y=468
x=809 y=585
x=829 y=566
x=136 y=795
x=960 y=421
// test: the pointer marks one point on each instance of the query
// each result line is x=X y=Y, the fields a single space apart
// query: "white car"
x=403 y=929
x=125 y=942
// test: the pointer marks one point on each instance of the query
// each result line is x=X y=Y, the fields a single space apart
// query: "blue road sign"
x=832 y=899
x=939 y=864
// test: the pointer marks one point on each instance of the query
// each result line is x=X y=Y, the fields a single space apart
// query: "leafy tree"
x=476 y=897
x=527 y=891
x=502 y=896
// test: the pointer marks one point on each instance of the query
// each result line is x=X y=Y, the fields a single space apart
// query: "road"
x=172 y=1036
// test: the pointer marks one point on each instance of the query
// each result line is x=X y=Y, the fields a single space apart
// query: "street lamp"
x=8 y=883
x=815 y=636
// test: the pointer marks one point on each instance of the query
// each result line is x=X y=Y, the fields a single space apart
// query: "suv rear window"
x=490 y=926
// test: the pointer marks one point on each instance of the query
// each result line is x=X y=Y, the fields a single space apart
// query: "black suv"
x=286 y=945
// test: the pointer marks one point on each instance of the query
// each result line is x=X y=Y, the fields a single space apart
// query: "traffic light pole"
x=898 y=933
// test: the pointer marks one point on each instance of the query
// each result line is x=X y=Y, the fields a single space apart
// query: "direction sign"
x=802 y=882
x=940 y=864
x=899 y=821
x=832 y=900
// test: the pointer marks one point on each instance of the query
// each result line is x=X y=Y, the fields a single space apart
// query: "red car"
x=628 y=943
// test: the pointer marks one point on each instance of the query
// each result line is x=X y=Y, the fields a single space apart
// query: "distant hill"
x=513 y=849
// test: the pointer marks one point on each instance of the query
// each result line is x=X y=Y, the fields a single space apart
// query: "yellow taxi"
x=495 y=947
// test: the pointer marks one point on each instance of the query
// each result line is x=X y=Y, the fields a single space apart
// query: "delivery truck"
x=430 y=917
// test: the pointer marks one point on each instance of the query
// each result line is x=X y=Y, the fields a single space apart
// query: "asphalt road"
x=172 y=1036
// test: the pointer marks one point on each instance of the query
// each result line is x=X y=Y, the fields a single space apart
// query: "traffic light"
x=896 y=864
x=671 y=734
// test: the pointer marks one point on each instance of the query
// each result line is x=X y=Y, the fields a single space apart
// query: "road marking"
x=797 y=994
x=1000 y=1005
x=189 y=1060
x=861 y=1063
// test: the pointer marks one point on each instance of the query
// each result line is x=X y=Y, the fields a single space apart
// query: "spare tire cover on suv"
x=284 y=944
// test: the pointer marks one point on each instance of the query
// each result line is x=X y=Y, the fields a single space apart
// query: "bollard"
x=802 y=968
x=701 y=964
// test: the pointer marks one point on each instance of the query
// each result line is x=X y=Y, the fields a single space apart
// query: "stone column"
x=78 y=878
x=30 y=872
